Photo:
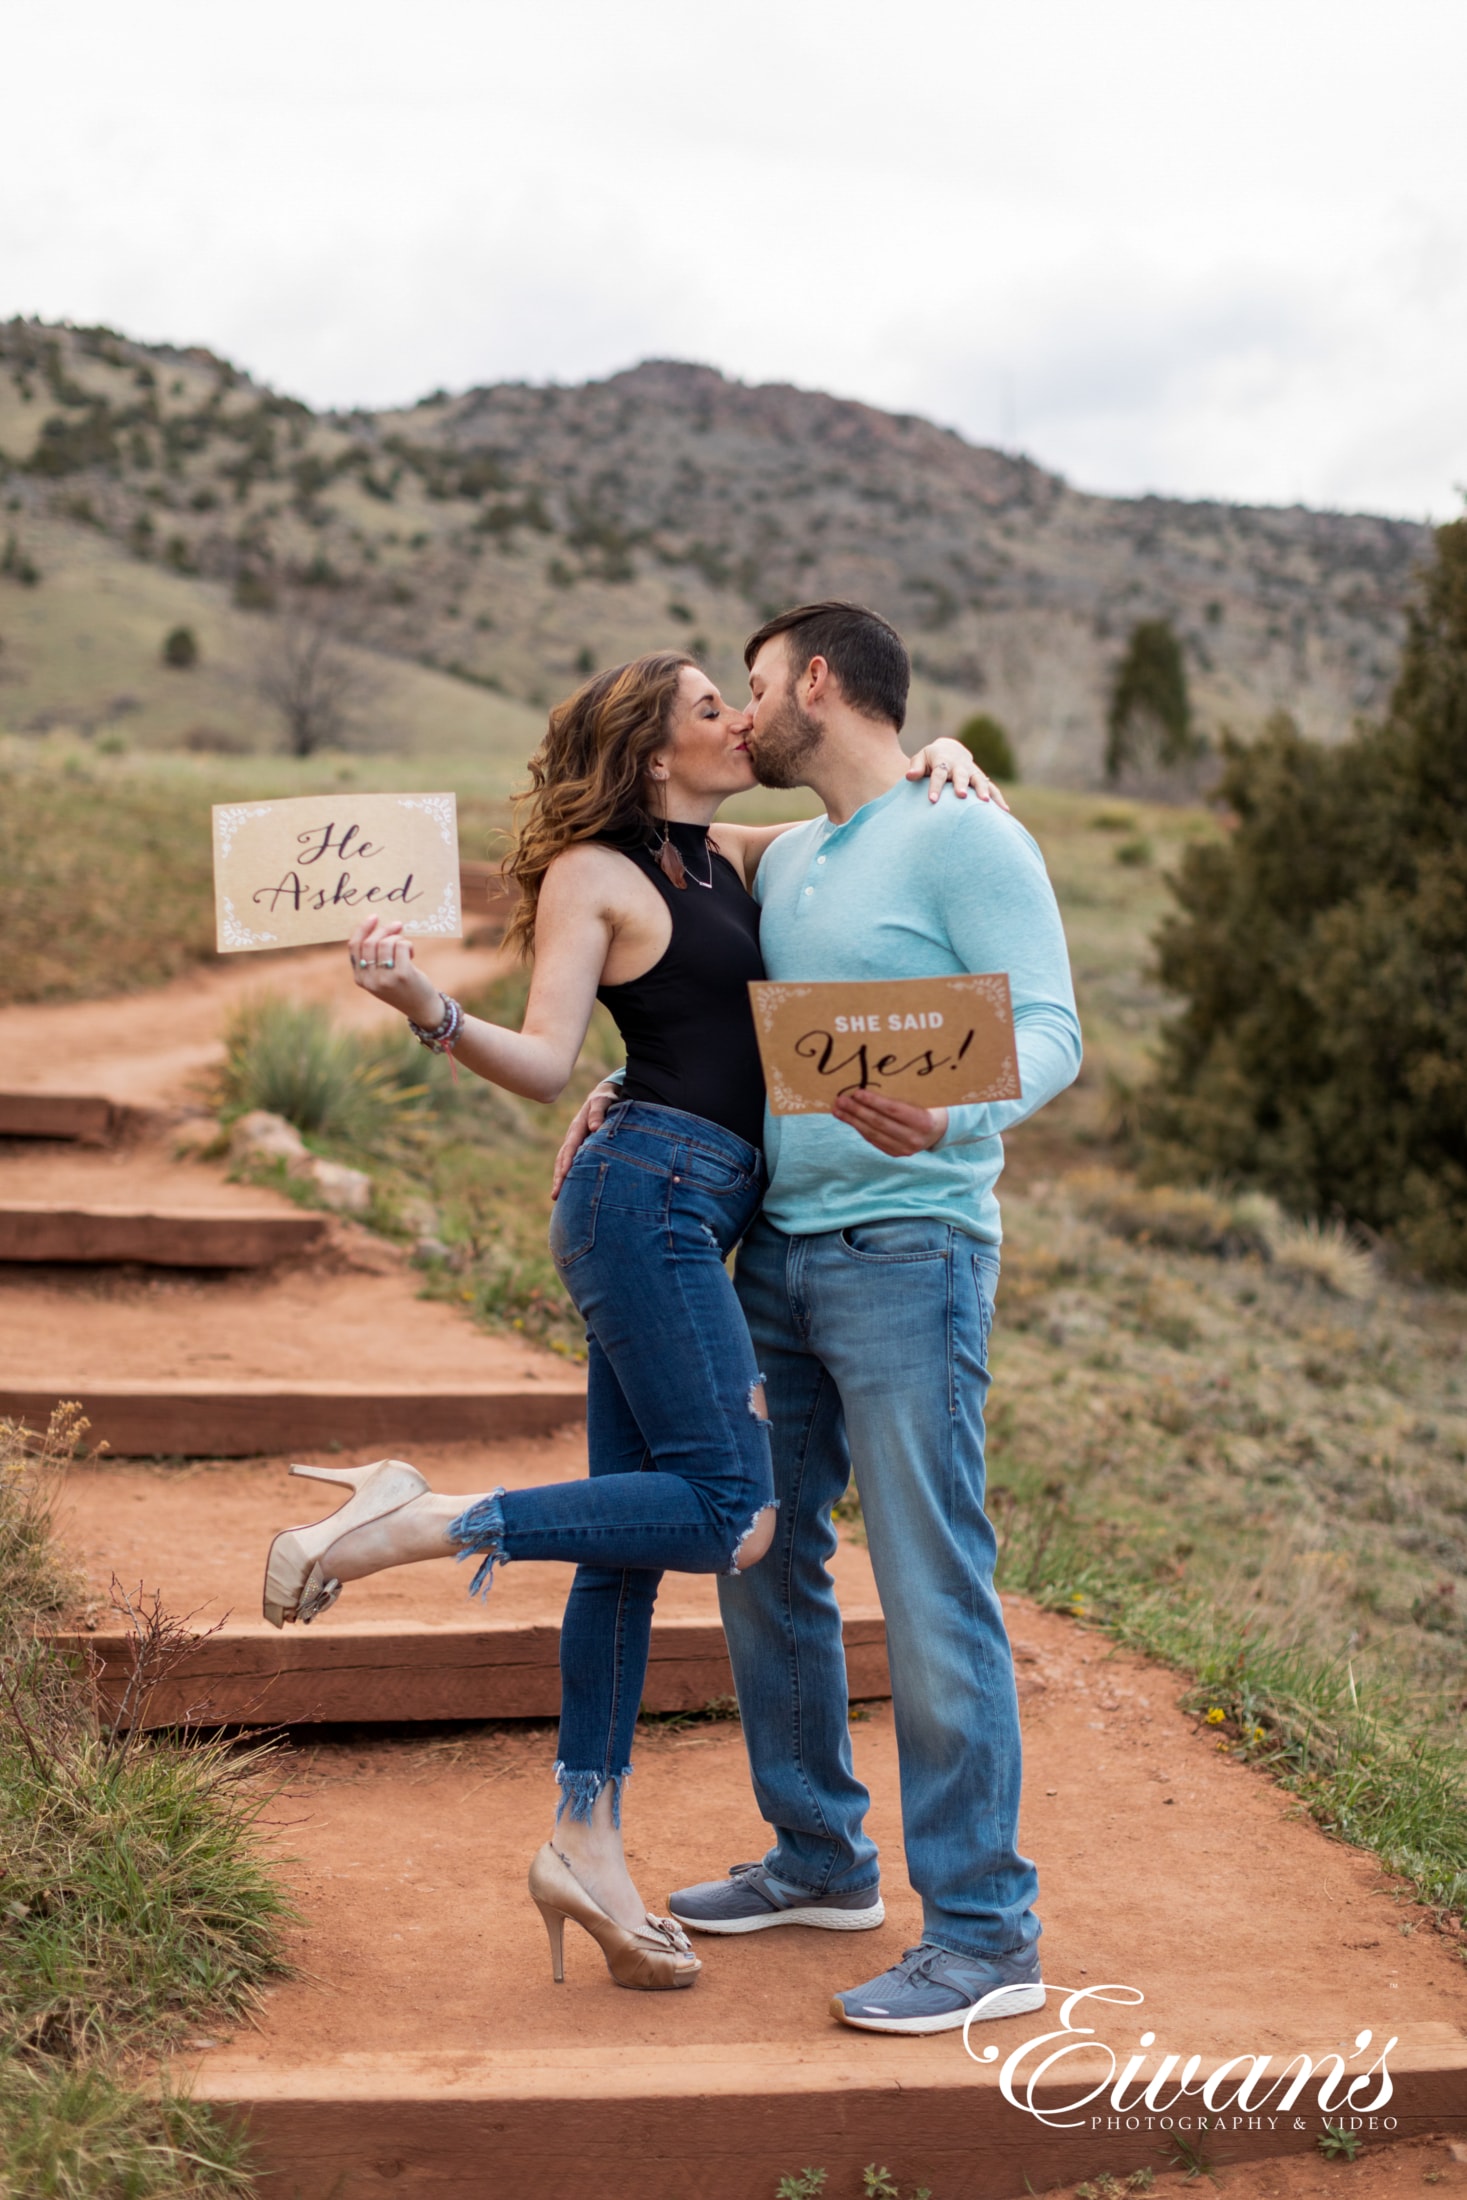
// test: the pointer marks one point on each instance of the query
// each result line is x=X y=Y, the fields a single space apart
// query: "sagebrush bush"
x=1320 y=950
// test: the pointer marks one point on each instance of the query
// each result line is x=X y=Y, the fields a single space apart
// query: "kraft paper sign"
x=938 y=1042
x=291 y=874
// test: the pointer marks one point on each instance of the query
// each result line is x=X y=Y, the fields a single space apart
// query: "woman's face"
x=708 y=752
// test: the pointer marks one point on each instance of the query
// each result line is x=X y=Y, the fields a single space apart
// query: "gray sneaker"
x=931 y=1990
x=749 y=1900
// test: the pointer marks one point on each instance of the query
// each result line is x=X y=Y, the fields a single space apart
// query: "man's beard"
x=785 y=744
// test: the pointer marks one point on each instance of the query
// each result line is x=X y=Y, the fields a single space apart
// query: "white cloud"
x=1181 y=248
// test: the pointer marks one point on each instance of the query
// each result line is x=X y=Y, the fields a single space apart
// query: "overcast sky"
x=1209 y=250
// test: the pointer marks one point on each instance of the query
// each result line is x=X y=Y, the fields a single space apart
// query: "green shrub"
x=1150 y=712
x=988 y=744
x=289 y=1058
x=1319 y=951
x=181 y=648
x=72 y=446
x=254 y=592
x=17 y=565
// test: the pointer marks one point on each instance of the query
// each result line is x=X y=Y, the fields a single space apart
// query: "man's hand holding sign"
x=888 y=1057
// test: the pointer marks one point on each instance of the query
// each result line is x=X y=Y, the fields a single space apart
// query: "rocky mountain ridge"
x=515 y=535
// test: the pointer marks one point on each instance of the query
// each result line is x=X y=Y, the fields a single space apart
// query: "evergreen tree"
x=1150 y=708
x=1321 y=952
x=987 y=742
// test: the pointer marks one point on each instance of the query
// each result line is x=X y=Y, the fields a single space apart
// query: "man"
x=868 y=1283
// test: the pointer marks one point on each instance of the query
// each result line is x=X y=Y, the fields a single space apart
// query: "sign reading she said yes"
x=938 y=1042
x=291 y=874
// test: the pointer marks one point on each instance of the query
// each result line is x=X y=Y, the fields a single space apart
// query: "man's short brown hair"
x=868 y=658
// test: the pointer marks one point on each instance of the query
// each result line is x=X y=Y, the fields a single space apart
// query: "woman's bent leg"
x=646 y=1268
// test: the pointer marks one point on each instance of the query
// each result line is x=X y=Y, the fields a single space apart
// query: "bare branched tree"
x=308 y=677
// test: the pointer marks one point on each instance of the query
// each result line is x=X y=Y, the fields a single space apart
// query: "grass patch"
x=70 y=2133
x=1354 y=1752
x=106 y=885
x=1247 y=1463
x=106 y=867
x=135 y=1903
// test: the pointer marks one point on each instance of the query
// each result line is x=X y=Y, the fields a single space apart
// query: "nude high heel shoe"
x=656 y=1957
x=295 y=1585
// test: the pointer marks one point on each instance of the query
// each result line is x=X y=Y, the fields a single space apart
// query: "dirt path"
x=1165 y=1863
x=1167 y=1867
x=329 y=1317
x=146 y=1049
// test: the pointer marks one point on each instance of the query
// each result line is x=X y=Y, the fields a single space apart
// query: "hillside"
x=499 y=542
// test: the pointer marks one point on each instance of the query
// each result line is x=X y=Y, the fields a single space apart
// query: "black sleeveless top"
x=687 y=1023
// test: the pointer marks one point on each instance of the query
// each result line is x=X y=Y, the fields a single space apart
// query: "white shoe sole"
x=826 y=1921
x=1003 y=2001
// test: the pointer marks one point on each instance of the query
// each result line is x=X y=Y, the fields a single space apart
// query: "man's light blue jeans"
x=874 y=1346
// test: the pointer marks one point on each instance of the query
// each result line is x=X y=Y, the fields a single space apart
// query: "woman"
x=629 y=894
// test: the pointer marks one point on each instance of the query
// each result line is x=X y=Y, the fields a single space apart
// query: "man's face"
x=783 y=737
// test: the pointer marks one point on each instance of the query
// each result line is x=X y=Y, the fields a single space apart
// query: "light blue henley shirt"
x=908 y=888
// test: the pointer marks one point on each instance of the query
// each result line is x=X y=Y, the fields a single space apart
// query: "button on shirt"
x=908 y=888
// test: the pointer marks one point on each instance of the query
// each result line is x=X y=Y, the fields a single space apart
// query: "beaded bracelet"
x=442 y=1035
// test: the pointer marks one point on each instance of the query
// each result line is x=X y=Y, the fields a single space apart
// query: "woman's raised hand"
x=947 y=761
x=382 y=964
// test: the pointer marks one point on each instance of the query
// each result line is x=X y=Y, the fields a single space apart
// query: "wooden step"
x=690 y=2120
x=84 y=1116
x=224 y=1420
x=422 y=2050
x=404 y=1645
x=198 y=1237
x=251 y=1674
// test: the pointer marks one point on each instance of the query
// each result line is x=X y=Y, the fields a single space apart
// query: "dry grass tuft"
x=1184 y=1218
x=36 y=1582
x=1324 y=1254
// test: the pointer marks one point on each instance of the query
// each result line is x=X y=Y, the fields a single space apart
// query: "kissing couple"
x=726 y=1416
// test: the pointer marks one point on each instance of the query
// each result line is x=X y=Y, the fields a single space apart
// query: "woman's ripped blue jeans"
x=654 y=1203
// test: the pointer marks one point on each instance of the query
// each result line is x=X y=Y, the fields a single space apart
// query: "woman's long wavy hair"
x=588 y=778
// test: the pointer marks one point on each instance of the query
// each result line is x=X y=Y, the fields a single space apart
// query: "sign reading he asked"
x=938 y=1042
x=295 y=873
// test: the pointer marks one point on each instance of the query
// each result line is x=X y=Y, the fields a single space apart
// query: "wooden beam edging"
x=705 y=2124
x=256 y=1677
x=217 y=1420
